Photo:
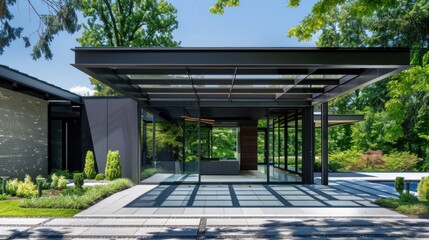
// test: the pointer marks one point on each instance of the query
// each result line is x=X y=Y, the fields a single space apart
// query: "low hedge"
x=91 y=196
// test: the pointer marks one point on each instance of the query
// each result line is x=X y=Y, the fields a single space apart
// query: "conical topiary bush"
x=89 y=169
x=113 y=165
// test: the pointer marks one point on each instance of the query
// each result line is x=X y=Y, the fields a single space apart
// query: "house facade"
x=178 y=105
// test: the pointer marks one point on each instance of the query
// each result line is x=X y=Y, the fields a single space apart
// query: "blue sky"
x=253 y=24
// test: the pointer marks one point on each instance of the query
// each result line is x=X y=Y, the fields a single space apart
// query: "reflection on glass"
x=165 y=158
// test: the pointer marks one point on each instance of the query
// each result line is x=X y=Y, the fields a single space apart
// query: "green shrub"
x=345 y=160
x=372 y=160
x=401 y=161
x=424 y=164
x=423 y=188
x=62 y=182
x=73 y=191
x=78 y=180
x=100 y=177
x=408 y=197
x=91 y=195
x=54 y=181
x=89 y=169
x=415 y=209
x=113 y=165
x=12 y=186
x=149 y=171
x=4 y=196
x=27 y=188
x=65 y=173
x=399 y=184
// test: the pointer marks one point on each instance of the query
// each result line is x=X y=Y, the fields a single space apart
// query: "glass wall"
x=177 y=151
x=169 y=150
x=285 y=131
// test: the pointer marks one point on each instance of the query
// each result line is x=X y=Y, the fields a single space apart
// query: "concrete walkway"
x=211 y=227
x=372 y=176
x=342 y=199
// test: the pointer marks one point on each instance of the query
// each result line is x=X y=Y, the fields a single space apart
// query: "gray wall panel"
x=114 y=125
x=123 y=132
x=23 y=134
x=96 y=110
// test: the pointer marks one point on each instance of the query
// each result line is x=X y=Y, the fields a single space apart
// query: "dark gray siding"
x=114 y=125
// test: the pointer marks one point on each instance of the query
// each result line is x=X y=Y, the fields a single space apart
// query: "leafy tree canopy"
x=127 y=23
x=62 y=16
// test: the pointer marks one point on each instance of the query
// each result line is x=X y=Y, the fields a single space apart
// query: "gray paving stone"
x=226 y=222
x=245 y=203
x=122 y=221
x=9 y=231
x=279 y=231
x=232 y=211
x=178 y=232
x=342 y=203
x=272 y=203
x=307 y=204
x=155 y=222
x=193 y=211
x=145 y=211
x=126 y=211
x=183 y=222
x=253 y=198
x=213 y=211
x=228 y=231
x=56 y=231
x=169 y=211
x=104 y=231
x=21 y=221
x=62 y=221
x=297 y=197
x=220 y=203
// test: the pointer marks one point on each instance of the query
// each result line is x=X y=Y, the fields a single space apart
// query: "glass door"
x=285 y=130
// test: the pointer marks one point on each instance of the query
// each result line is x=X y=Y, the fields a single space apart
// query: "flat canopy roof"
x=166 y=78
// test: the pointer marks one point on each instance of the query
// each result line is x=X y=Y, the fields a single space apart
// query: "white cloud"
x=82 y=90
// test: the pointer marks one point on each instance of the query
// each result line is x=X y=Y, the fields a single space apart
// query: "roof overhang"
x=23 y=83
x=162 y=78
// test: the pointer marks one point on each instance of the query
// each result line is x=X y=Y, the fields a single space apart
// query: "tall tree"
x=127 y=23
x=61 y=16
x=396 y=108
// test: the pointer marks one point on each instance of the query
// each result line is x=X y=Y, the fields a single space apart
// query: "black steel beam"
x=324 y=124
x=237 y=81
x=230 y=71
x=368 y=77
x=226 y=103
x=241 y=57
x=227 y=90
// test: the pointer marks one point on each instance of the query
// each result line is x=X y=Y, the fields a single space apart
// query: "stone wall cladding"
x=23 y=135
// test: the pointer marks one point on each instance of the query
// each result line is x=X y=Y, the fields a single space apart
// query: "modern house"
x=178 y=101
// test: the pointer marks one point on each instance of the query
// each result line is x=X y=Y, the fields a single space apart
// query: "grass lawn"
x=420 y=208
x=10 y=208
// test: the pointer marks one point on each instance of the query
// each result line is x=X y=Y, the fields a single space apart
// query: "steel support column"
x=199 y=145
x=308 y=146
x=153 y=141
x=324 y=124
x=267 y=149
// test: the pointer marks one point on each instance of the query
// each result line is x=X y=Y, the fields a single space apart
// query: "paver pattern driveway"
x=206 y=228
x=347 y=199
